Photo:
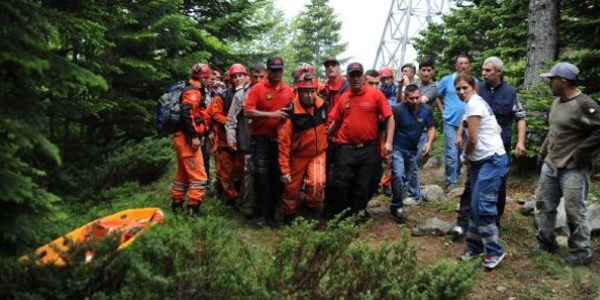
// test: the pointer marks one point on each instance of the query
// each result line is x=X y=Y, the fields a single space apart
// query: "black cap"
x=331 y=59
x=354 y=67
x=275 y=63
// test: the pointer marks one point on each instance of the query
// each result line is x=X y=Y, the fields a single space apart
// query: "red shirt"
x=359 y=114
x=265 y=97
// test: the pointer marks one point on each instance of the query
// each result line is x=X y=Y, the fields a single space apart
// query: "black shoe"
x=271 y=222
x=195 y=210
x=289 y=219
x=574 y=261
x=398 y=214
x=176 y=207
x=260 y=222
x=315 y=213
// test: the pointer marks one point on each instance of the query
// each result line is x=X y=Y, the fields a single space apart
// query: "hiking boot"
x=469 y=255
x=195 y=210
x=176 y=207
x=574 y=261
x=398 y=214
x=491 y=262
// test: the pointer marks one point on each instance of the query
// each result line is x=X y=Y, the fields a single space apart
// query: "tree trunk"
x=541 y=37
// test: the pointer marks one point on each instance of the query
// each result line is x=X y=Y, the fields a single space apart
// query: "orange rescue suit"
x=191 y=176
x=302 y=147
x=229 y=163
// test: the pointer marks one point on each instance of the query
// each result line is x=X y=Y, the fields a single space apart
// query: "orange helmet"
x=200 y=70
x=236 y=69
x=386 y=72
x=306 y=77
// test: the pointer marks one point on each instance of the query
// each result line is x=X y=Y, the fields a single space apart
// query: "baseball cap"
x=331 y=59
x=275 y=63
x=354 y=67
x=563 y=70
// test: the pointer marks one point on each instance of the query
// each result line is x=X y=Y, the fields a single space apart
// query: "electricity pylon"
x=404 y=22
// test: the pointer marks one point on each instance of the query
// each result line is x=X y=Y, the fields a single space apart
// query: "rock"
x=379 y=212
x=500 y=289
x=373 y=203
x=433 y=193
x=432 y=163
x=433 y=226
x=512 y=298
x=594 y=216
x=528 y=208
x=455 y=193
x=562 y=241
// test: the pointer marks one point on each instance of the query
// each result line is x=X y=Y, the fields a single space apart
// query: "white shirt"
x=489 y=141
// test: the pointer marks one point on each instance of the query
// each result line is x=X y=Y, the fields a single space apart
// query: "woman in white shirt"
x=488 y=164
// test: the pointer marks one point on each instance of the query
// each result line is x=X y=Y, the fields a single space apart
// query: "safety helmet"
x=236 y=69
x=200 y=70
x=306 y=78
x=386 y=72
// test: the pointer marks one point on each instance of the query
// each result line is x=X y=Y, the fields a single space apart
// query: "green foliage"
x=316 y=34
x=207 y=259
x=537 y=101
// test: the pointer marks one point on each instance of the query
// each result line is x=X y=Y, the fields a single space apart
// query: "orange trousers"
x=191 y=176
x=230 y=172
x=312 y=172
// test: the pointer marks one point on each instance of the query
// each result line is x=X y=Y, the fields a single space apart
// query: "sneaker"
x=491 y=262
x=410 y=201
x=574 y=261
x=469 y=255
x=398 y=214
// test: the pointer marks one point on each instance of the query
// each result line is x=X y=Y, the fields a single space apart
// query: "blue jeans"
x=451 y=154
x=573 y=185
x=486 y=178
x=422 y=142
x=404 y=173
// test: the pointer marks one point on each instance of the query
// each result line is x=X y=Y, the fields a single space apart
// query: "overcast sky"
x=362 y=25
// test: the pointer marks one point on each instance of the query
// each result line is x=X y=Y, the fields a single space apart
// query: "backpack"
x=169 y=110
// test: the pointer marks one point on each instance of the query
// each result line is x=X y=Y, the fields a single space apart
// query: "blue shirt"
x=453 y=106
x=409 y=126
x=390 y=93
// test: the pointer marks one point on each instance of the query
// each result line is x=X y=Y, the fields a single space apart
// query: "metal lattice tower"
x=405 y=20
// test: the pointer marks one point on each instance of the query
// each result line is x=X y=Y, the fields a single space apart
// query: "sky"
x=362 y=25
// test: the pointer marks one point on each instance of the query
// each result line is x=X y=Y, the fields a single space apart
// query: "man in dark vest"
x=504 y=102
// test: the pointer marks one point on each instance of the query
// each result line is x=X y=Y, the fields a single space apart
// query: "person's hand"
x=232 y=145
x=426 y=149
x=520 y=150
x=280 y=114
x=387 y=149
x=196 y=144
x=286 y=178
x=458 y=141
x=464 y=159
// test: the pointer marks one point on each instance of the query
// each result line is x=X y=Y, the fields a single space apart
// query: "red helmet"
x=236 y=69
x=386 y=72
x=306 y=77
x=200 y=70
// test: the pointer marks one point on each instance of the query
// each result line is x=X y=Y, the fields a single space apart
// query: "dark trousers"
x=330 y=183
x=354 y=171
x=206 y=157
x=464 y=211
x=268 y=187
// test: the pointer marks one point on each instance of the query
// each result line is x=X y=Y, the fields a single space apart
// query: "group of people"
x=333 y=144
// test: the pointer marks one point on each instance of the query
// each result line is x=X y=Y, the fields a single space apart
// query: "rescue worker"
x=302 y=145
x=190 y=177
x=229 y=163
x=390 y=90
x=266 y=107
x=331 y=92
x=355 y=119
x=238 y=137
